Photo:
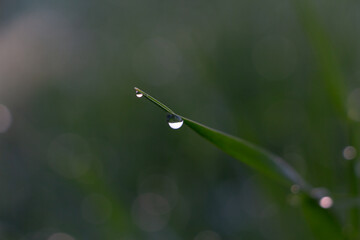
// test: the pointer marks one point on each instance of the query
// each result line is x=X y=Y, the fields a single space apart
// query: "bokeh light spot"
x=349 y=152
x=326 y=202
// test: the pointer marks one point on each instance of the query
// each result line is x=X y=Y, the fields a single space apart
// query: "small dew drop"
x=138 y=94
x=174 y=121
x=326 y=202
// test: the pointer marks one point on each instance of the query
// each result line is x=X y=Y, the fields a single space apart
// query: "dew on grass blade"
x=138 y=94
x=174 y=121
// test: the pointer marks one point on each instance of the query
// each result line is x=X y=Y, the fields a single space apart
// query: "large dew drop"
x=174 y=121
x=138 y=94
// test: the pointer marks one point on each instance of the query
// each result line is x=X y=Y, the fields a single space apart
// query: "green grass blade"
x=322 y=221
x=154 y=100
x=253 y=156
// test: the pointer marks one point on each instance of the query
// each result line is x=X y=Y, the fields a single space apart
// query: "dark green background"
x=85 y=159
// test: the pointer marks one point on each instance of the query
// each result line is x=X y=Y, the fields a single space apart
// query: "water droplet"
x=326 y=202
x=138 y=94
x=174 y=121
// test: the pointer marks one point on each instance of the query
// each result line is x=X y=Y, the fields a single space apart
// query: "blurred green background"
x=82 y=158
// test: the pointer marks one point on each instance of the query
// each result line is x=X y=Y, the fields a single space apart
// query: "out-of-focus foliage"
x=81 y=158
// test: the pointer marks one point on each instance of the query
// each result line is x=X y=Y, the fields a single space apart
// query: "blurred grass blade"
x=334 y=83
x=328 y=65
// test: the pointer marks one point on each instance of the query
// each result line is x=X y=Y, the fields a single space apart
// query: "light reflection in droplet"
x=207 y=235
x=174 y=121
x=349 y=152
x=326 y=202
x=5 y=118
x=60 y=236
x=139 y=94
x=176 y=125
